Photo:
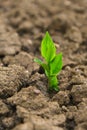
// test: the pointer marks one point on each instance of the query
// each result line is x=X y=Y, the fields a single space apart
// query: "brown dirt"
x=25 y=103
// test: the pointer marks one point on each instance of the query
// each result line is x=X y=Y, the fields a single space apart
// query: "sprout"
x=52 y=64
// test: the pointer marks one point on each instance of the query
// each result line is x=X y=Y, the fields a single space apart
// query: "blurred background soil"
x=25 y=103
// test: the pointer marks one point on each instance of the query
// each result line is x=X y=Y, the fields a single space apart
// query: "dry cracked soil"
x=25 y=103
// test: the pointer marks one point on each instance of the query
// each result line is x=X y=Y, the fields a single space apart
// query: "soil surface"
x=25 y=103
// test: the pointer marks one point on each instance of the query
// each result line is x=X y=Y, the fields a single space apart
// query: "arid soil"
x=25 y=103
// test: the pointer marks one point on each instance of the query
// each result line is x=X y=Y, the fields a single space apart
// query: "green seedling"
x=52 y=63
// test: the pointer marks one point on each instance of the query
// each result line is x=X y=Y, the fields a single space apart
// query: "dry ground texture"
x=25 y=103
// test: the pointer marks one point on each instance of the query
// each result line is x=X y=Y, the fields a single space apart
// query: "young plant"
x=52 y=63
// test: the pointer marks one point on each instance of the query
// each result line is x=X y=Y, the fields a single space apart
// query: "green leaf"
x=48 y=50
x=56 y=65
x=45 y=66
x=38 y=61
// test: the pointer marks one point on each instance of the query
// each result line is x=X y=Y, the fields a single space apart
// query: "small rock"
x=12 y=78
x=62 y=97
x=81 y=116
x=74 y=34
x=9 y=44
x=78 y=92
x=8 y=122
